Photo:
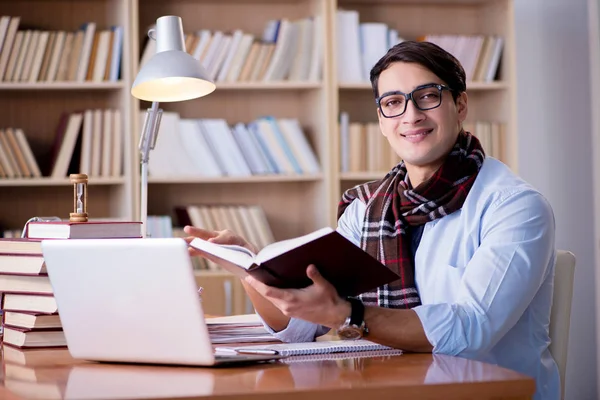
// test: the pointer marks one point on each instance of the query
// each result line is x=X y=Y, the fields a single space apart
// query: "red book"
x=84 y=230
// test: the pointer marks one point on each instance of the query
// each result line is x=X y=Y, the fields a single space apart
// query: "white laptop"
x=131 y=300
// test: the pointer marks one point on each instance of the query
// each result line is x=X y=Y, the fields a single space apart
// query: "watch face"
x=350 y=333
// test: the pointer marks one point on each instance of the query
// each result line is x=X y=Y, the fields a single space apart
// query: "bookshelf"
x=36 y=108
x=294 y=204
x=488 y=101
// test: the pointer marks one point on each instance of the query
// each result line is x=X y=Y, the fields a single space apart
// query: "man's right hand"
x=219 y=237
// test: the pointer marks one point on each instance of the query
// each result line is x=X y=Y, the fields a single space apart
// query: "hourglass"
x=80 y=191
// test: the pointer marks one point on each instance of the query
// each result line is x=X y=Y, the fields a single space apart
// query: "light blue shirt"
x=485 y=276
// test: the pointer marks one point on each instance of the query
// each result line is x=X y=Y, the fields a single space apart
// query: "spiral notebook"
x=308 y=348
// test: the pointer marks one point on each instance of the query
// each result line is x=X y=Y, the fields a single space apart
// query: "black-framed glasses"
x=425 y=97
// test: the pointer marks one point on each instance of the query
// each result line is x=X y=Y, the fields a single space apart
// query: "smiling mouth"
x=414 y=134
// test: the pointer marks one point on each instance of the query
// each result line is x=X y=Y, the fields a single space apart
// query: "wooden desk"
x=53 y=374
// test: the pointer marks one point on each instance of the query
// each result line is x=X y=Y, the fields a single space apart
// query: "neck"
x=419 y=174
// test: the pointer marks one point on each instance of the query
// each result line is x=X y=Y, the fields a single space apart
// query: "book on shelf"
x=307 y=349
x=33 y=54
x=84 y=230
x=283 y=264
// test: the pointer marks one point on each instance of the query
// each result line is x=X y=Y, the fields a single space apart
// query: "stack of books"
x=29 y=312
x=30 y=317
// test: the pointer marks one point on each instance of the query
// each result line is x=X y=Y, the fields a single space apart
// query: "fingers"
x=313 y=273
x=266 y=291
x=199 y=232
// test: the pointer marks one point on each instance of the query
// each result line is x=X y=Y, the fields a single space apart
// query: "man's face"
x=421 y=138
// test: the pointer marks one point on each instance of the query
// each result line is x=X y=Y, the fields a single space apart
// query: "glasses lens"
x=392 y=105
x=428 y=98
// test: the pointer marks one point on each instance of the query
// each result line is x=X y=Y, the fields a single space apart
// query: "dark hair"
x=430 y=56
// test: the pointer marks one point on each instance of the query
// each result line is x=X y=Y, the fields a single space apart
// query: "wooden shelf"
x=268 y=85
x=62 y=86
x=498 y=85
x=46 y=181
x=228 y=179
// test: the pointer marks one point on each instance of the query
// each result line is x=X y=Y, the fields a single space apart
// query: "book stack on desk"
x=246 y=328
x=30 y=316
x=29 y=312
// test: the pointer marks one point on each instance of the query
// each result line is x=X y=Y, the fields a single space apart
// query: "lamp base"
x=78 y=217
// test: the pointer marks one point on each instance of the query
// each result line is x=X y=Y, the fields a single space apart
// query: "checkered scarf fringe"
x=393 y=207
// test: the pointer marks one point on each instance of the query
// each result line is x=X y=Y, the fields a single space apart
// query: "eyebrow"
x=401 y=92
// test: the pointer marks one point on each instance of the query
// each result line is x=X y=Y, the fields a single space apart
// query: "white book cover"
x=84 y=59
x=59 y=42
x=96 y=143
x=267 y=134
x=231 y=52
x=240 y=57
x=373 y=39
x=85 y=160
x=249 y=147
x=344 y=141
x=348 y=54
x=276 y=67
x=195 y=146
x=9 y=44
x=217 y=62
x=36 y=63
x=29 y=157
x=101 y=56
x=297 y=138
x=107 y=133
x=272 y=165
x=203 y=42
x=495 y=60
x=117 y=53
x=117 y=145
x=301 y=60
x=213 y=50
x=316 y=58
x=23 y=74
x=20 y=58
x=229 y=152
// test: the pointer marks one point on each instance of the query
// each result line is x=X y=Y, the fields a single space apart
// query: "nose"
x=412 y=115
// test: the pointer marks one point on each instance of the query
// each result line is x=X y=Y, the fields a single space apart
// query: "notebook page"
x=309 y=348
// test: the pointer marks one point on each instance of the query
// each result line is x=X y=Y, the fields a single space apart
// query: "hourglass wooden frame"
x=79 y=214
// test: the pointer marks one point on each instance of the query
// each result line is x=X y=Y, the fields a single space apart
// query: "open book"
x=283 y=264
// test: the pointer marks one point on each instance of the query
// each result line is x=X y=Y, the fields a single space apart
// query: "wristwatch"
x=354 y=327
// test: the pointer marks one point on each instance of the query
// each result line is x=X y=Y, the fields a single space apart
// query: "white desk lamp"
x=170 y=75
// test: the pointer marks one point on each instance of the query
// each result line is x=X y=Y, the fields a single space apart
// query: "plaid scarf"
x=393 y=206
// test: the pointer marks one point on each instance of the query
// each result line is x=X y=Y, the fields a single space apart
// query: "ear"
x=462 y=106
x=381 y=118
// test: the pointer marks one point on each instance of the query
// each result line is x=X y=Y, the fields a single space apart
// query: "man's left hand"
x=318 y=303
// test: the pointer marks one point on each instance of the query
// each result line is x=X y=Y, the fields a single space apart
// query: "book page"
x=275 y=249
x=237 y=255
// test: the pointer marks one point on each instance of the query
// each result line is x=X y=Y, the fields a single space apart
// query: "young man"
x=473 y=243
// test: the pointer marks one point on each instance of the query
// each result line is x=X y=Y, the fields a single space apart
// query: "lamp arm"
x=147 y=143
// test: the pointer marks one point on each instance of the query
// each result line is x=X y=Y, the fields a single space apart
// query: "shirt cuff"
x=444 y=326
x=297 y=331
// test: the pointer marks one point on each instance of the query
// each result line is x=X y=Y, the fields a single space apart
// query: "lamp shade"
x=171 y=74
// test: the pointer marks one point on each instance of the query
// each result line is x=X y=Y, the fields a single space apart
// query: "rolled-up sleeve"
x=500 y=281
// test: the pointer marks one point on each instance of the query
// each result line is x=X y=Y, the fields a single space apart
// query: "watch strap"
x=357 y=315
